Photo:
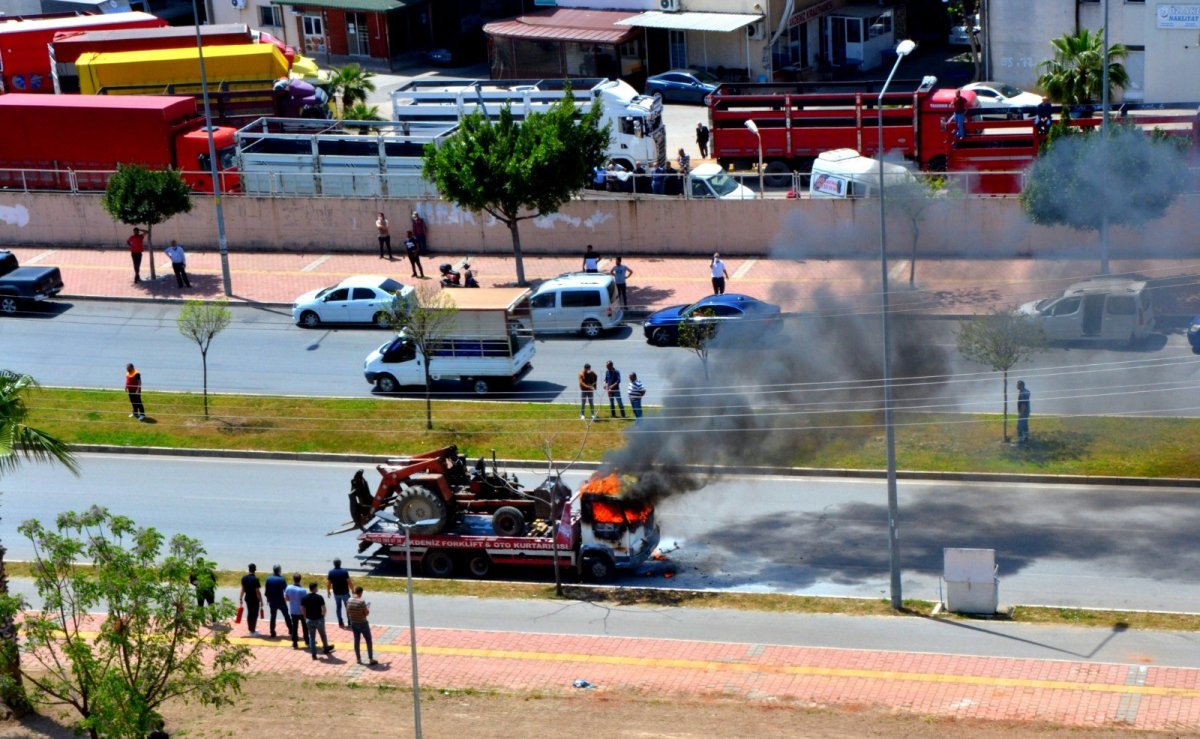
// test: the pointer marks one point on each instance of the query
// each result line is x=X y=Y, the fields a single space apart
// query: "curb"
x=1185 y=483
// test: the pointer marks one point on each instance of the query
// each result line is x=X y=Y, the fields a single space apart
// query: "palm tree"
x=18 y=443
x=362 y=112
x=352 y=83
x=1075 y=76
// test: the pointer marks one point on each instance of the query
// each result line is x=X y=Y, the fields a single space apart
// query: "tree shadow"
x=973 y=297
x=1044 y=448
x=39 y=725
x=646 y=296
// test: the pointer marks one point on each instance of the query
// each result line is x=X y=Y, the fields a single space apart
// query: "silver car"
x=359 y=299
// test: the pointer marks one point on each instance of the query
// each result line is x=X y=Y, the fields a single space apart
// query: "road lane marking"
x=746 y=267
x=316 y=263
x=39 y=257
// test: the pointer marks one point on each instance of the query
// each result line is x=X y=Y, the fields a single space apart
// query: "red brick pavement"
x=1071 y=693
x=944 y=285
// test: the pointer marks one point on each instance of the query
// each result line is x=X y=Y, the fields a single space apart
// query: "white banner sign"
x=1185 y=17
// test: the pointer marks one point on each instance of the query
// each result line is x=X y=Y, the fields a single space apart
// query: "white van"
x=1101 y=309
x=844 y=173
x=581 y=302
x=710 y=181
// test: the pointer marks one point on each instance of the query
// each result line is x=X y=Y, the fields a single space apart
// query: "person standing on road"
x=313 y=606
x=702 y=139
x=419 y=232
x=637 y=391
x=295 y=594
x=612 y=386
x=357 y=611
x=1023 y=409
x=178 y=259
x=587 y=391
x=414 y=254
x=274 y=589
x=251 y=598
x=337 y=585
x=620 y=274
x=137 y=246
x=719 y=274
x=385 y=235
x=133 y=388
x=591 y=260
x=685 y=163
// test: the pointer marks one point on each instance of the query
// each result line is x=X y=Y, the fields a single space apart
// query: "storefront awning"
x=692 y=21
x=369 y=6
x=567 y=24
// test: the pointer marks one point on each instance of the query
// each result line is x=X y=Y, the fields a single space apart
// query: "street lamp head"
x=905 y=47
x=752 y=126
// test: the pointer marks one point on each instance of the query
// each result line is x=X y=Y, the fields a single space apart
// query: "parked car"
x=358 y=299
x=20 y=285
x=580 y=302
x=662 y=327
x=682 y=85
x=1193 y=335
x=1101 y=309
x=960 y=36
x=1001 y=97
x=710 y=180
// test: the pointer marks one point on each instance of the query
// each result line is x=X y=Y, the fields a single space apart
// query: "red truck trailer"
x=68 y=142
x=66 y=46
x=24 y=61
x=798 y=121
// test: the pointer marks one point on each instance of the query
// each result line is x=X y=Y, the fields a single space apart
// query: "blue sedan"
x=683 y=85
x=1194 y=335
x=662 y=327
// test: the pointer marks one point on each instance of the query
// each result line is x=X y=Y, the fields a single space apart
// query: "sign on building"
x=1179 y=17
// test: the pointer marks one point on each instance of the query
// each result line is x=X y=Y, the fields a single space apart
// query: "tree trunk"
x=1005 y=375
x=204 y=365
x=13 y=701
x=912 y=262
x=514 y=229
x=428 y=399
x=149 y=251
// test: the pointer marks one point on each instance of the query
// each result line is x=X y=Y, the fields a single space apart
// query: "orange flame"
x=614 y=511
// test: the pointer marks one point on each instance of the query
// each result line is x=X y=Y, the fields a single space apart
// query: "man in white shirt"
x=719 y=275
x=178 y=264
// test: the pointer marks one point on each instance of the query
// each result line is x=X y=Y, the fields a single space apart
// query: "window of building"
x=677 y=43
x=314 y=35
x=270 y=15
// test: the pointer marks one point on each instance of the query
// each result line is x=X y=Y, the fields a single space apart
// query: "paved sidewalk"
x=945 y=286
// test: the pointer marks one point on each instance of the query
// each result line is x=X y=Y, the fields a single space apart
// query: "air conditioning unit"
x=239 y=4
x=757 y=31
x=669 y=6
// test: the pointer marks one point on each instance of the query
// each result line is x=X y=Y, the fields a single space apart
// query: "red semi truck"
x=798 y=121
x=24 y=61
x=68 y=142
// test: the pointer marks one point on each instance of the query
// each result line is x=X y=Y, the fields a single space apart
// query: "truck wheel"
x=422 y=504
x=480 y=566
x=592 y=328
x=598 y=569
x=9 y=305
x=438 y=563
x=309 y=319
x=661 y=337
x=387 y=384
x=778 y=174
x=479 y=385
x=508 y=521
x=382 y=320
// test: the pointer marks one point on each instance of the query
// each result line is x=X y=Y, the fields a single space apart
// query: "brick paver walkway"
x=1071 y=693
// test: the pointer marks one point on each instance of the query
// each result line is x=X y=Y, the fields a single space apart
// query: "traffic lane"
x=817 y=536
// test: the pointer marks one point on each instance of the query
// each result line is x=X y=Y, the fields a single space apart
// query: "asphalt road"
x=87 y=344
x=1110 y=547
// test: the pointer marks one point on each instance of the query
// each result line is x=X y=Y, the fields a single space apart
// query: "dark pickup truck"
x=19 y=285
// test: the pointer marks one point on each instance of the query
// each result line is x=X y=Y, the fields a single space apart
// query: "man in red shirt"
x=135 y=251
x=133 y=388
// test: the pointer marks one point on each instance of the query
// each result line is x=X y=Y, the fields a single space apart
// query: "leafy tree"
x=201 y=321
x=138 y=196
x=152 y=644
x=515 y=171
x=362 y=112
x=1075 y=75
x=352 y=84
x=911 y=199
x=19 y=442
x=1000 y=340
x=1083 y=180
x=697 y=336
x=427 y=322
x=964 y=12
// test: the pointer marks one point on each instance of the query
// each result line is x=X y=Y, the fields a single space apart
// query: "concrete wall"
x=977 y=227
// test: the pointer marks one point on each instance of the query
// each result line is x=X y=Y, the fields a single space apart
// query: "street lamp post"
x=903 y=49
x=754 y=130
x=1104 y=138
x=222 y=242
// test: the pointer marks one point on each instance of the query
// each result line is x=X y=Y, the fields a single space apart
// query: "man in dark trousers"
x=612 y=386
x=1023 y=409
x=702 y=139
x=251 y=598
x=414 y=254
x=337 y=586
x=133 y=388
x=136 y=247
x=419 y=231
x=178 y=263
x=313 y=606
x=274 y=588
x=295 y=595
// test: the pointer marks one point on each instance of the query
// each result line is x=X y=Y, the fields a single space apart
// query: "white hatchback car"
x=358 y=299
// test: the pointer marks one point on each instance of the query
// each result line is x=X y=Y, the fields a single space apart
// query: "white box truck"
x=844 y=173
x=488 y=346
x=638 y=134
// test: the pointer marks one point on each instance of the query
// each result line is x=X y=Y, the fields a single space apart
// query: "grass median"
x=1110 y=445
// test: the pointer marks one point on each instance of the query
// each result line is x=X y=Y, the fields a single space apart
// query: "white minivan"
x=584 y=302
x=844 y=173
x=710 y=181
x=1101 y=309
